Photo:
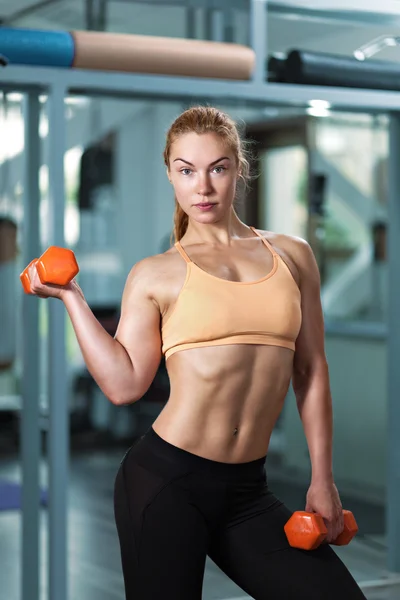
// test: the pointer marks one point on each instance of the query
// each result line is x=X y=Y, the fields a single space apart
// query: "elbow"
x=308 y=374
x=132 y=388
x=124 y=399
x=129 y=395
x=304 y=371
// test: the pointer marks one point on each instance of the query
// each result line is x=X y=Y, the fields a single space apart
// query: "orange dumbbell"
x=308 y=530
x=56 y=266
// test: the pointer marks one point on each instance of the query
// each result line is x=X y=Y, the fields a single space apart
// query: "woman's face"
x=204 y=174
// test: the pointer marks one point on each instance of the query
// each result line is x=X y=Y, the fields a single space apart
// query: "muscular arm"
x=139 y=329
x=123 y=366
x=310 y=373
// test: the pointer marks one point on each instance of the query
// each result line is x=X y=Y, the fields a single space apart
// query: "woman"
x=237 y=314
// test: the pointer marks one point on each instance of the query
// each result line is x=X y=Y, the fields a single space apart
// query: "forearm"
x=106 y=359
x=315 y=408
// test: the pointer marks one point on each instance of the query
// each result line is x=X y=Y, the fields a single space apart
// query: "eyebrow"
x=211 y=164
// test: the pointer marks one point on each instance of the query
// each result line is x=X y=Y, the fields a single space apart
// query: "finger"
x=38 y=289
x=330 y=535
x=329 y=524
x=32 y=272
x=338 y=524
x=335 y=529
x=34 y=279
x=43 y=290
x=309 y=507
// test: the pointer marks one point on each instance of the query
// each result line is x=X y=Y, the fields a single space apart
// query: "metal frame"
x=358 y=17
x=30 y=426
x=58 y=434
x=285 y=9
x=393 y=347
x=290 y=9
x=58 y=84
x=251 y=93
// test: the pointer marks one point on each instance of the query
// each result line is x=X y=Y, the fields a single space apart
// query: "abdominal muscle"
x=225 y=400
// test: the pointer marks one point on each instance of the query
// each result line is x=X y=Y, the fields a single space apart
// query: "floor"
x=94 y=570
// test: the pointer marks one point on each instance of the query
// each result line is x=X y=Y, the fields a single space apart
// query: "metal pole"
x=58 y=397
x=214 y=25
x=96 y=15
x=258 y=38
x=393 y=350
x=89 y=15
x=229 y=25
x=191 y=23
x=30 y=424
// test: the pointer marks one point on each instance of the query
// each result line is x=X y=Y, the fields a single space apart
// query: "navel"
x=235 y=431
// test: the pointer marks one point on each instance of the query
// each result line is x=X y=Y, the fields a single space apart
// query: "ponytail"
x=181 y=221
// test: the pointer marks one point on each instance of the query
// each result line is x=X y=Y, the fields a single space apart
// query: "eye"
x=219 y=169
x=186 y=171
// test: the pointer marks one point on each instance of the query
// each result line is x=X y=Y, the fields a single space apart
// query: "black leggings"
x=174 y=508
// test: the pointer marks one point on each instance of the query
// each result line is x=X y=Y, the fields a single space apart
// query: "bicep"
x=138 y=329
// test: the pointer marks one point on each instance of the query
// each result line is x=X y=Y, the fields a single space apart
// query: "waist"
x=214 y=391
x=156 y=453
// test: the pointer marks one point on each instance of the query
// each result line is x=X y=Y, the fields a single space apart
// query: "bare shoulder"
x=151 y=274
x=154 y=265
x=297 y=247
x=295 y=251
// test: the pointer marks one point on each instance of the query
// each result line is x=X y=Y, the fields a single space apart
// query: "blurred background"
x=323 y=176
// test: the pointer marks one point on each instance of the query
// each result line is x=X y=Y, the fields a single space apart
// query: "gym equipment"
x=276 y=68
x=307 y=530
x=130 y=53
x=56 y=266
x=319 y=68
x=35 y=47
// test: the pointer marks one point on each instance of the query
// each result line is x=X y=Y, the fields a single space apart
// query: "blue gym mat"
x=10 y=496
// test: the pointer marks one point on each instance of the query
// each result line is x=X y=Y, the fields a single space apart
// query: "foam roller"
x=276 y=68
x=36 y=47
x=317 y=68
x=161 y=55
x=129 y=53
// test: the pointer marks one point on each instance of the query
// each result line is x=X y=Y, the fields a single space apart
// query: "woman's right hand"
x=49 y=290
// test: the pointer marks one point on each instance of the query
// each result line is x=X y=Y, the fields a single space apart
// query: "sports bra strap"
x=186 y=258
x=266 y=242
x=181 y=251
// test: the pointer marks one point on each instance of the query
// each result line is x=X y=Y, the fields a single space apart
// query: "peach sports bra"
x=211 y=311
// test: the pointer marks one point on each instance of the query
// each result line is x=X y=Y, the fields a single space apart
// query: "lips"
x=205 y=206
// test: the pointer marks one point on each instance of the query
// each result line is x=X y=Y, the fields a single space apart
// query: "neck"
x=222 y=232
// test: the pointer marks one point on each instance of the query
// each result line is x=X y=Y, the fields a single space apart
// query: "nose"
x=204 y=187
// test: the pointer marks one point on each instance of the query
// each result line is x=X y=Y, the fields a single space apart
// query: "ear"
x=169 y=175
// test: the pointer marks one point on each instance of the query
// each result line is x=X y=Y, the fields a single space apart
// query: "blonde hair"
x=205 y=119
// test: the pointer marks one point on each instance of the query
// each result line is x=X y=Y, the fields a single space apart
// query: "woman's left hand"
x=323 y=498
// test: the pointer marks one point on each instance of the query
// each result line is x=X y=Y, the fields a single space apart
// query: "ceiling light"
x=320 y=104
x=317 y=112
